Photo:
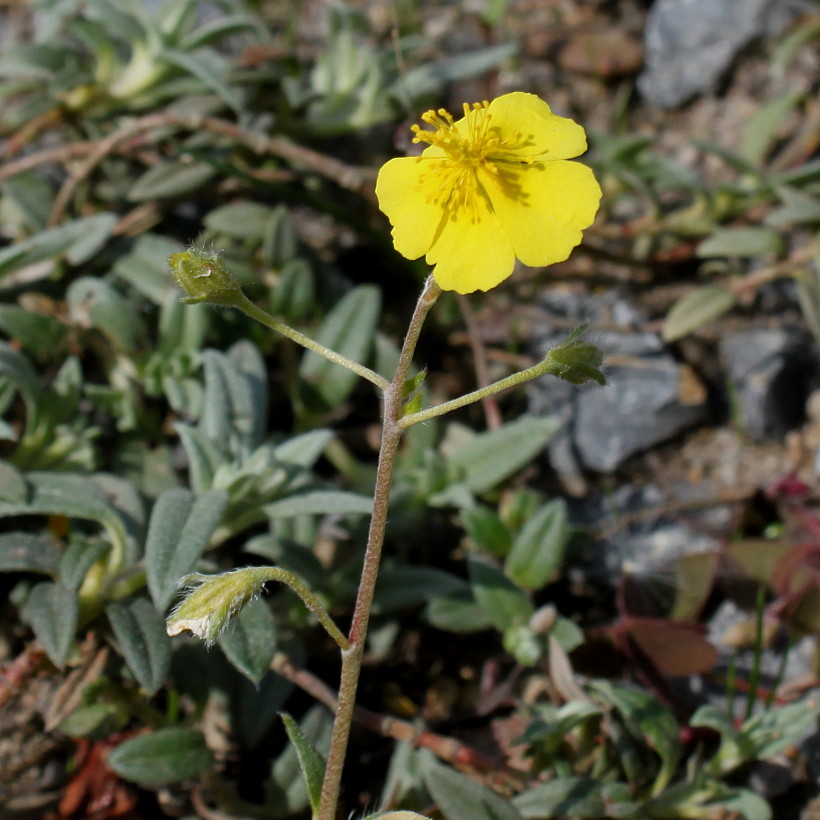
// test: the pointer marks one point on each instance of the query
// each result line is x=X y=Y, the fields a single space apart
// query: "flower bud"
x=212 y=600
x=204 y=277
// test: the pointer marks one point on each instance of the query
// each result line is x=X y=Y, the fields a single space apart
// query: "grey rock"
x=771 y=373
x=690 y=43
x=639 y=407
x=641 y=404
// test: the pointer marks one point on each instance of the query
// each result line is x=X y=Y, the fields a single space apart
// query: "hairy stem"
x=250 y=309
x=540 y=369
x=352 y=657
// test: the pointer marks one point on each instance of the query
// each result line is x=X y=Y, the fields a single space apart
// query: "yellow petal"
x=544 y=207
x=472 y=251
x=406 y=194
x=545 y=135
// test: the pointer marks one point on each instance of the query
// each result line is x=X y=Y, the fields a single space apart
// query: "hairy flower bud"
x=204 y=277
x=212 y=600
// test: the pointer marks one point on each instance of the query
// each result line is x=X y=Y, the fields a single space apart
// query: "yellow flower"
x=492 y=186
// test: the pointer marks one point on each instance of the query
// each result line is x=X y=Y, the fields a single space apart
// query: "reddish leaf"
x=674 y=648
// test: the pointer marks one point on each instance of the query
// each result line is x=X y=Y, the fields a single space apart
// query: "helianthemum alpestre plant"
x=491 y=187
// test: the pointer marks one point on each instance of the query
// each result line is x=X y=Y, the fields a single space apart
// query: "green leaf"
x=570 y=797
x=140 y=633
x=38 y=334
x=431 y=77
x=311 y=762
x=235 y=405
x=798 y=208
x=348 y=329
x=96 y=721
x=94 y=303
x=74 y=496
x=24 y=552
x=649 y=722
x=486 y=529
x=13 y=487
x=460 y=798
x=743 y=242
x=164 y=756
x=181 y=526
x=210 y=69
x=51 y=610
x=80 y=555
x=763 y=126
x=203 y=456
x=304 y=450
x=400 y=587
x=538 y=550
x=146 y=269
x=503 y=602
x=279 y=247
x=76 y=241
x=457 y=612
x=170 y=179
x=695 y=309
x=249 y=642
x=287 y=789
x=489 y=458
x=240 y=220
x=319 y=502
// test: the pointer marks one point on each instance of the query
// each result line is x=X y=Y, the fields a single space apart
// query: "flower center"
x=467 y=147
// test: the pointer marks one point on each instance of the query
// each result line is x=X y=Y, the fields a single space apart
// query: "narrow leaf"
x=348 y=329
x=140 y=633
x=311 y=762
x=51 y=610
x=460 y=798
x=250 y=641
x=319 y=502
x=503 y=602
x=490 y=458
x=538 y=550
x=743 y=242
x=180 y=528
x=695 y=309
x=25 y=552
x=165 y=756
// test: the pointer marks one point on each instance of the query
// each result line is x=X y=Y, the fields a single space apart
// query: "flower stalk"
x=352 y=658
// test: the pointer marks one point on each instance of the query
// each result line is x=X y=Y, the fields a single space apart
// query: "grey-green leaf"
x=489 y=458
x=571 y=797
x=696 y=308
x=311 y=762
x=165 y=756
x=170 y=179
x=178 y=533
x=287 y=790
x=250 y=641
x=457 y=613
x=503 y=602
x=26 y=552
x=319 y=502
x=349 y=329
x=743 y=242
x=140 y=633
x=51 y=610
x=460 y=798
x=94 y=303
x=538 y=549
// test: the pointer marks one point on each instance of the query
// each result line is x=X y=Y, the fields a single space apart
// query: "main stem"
x=352 y=657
